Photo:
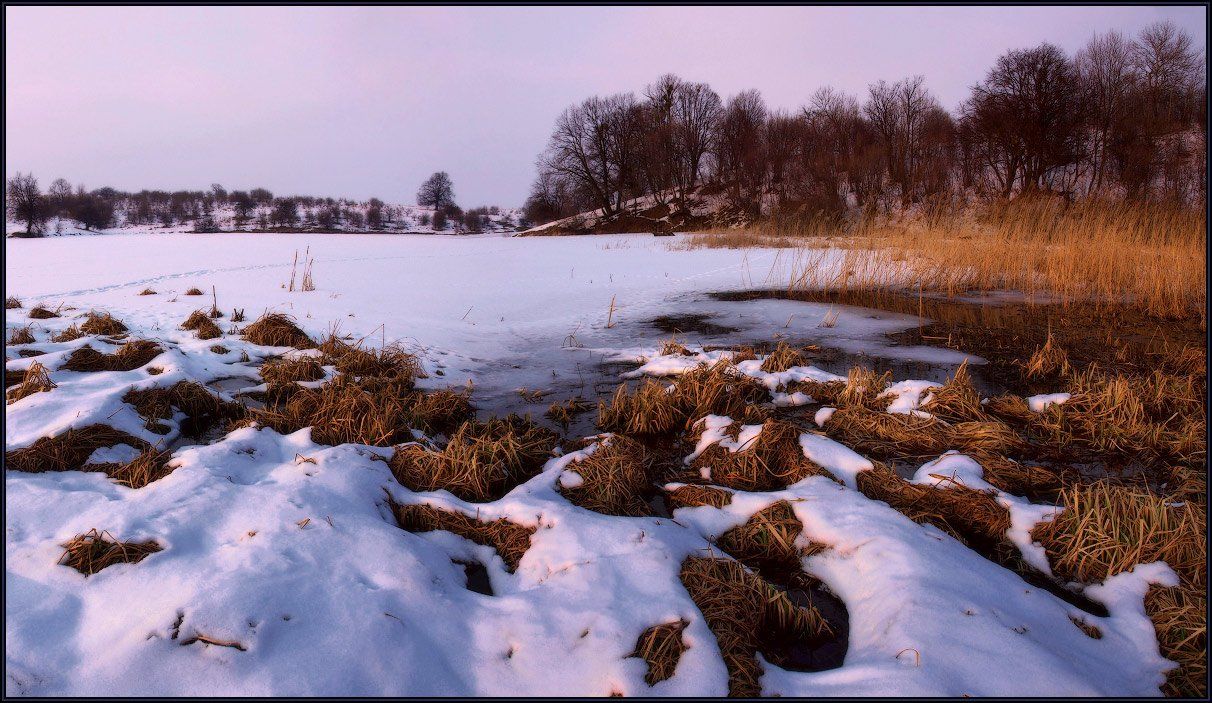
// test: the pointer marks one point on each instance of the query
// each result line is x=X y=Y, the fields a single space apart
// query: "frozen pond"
x=500 y=313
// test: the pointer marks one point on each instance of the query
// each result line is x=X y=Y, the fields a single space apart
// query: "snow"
x=287 y=547
x=1040 y=403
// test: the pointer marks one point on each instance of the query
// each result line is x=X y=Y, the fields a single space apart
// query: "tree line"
x=1122 y=118
x=254 y=208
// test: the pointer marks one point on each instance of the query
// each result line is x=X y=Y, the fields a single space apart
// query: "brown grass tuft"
x=102 y=323
x=706 y=390
x=673 y=346
x=661 y=647
x=40 y=313
x=36 y=379
x=68 y=334
x=957 y=400
x=193 y=291
x=745 y=613
x=69 y=450
x=1048 y=361
x=151 y=465
x=766 y=542
x=21 y=335
x=565 y=412
x=616 y=478
x=1107 y=529
x=971 y=516
x=199 y=321
x=129 y=357
x=277 y=330
x=391 y=361
x=482 y=461
x=92 y=551
x=147 y=291
x=203 y=409
x=772 y=461
x=909 y=436
x=692 y=496
x=783 y=357
x=510 y=539
x=219 y=349
x=12 y=302
x=291 y=370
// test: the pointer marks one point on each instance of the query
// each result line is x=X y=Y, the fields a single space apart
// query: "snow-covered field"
x=287 y=548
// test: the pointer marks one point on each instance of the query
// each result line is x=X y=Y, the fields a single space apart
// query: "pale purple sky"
x=361 y=102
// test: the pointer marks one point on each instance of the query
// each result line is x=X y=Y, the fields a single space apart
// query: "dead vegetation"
x=147 y=291
x=1107 y=529
x=863 y=388
x=21 y=335
x=304 y=368
x=616 y=478
x=200 y=322
x=772 y=461
x=203 y=409
x=887 y=435
x=767 y=542
x=151 y=465
x=193 y=291
x=510 y=539
x=693 y=496
x=277 y=330
x=971 y=516
x=661 y=647
x=12 y=302
x=747 y=615
x=783 y=357
x=35 y=379
x=128 y=357
x=102 y=323
x=40 y=313
x=69 y=450
x=68 y=334
x=93 y=551
x=564 y=413
x=653 y=409
x=481 y=461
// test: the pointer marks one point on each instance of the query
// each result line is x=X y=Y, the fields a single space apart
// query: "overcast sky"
x=361 y=102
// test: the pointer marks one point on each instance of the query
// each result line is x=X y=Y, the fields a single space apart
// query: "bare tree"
x=1023 y=122
x=437 y=191
x=1108 y=78
x=741 y=149
x=24 y=202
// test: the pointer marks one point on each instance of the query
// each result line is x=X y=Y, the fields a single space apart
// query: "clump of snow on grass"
x=1040 y=403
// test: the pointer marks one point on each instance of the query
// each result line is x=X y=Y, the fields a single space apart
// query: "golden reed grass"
x=1143 y=256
